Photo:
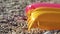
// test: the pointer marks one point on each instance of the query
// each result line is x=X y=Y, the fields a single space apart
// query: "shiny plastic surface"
x=44 y=16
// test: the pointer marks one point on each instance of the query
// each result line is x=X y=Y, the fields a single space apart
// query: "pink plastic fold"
x=37 y=5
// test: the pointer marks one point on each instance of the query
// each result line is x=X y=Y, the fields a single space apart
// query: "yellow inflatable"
x=44 y=16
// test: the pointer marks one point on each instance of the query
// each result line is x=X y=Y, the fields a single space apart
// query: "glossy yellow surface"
x=44 y=18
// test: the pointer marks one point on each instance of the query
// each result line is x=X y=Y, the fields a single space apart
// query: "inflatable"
x=44 y=16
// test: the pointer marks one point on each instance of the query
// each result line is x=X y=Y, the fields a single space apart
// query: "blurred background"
x=13 y=17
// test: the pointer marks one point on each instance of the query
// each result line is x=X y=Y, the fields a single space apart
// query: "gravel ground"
x=13 y=18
